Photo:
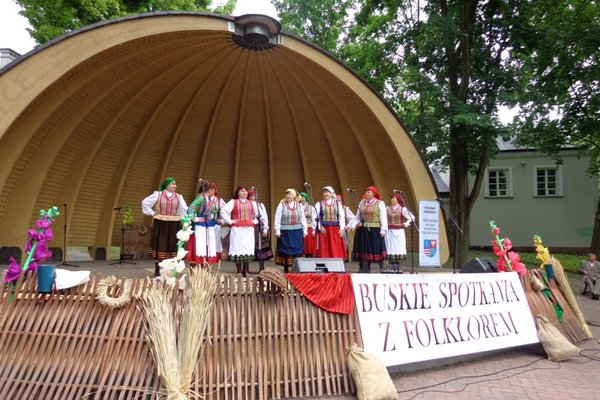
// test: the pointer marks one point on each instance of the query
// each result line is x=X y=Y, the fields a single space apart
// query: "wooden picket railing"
x=262 y=342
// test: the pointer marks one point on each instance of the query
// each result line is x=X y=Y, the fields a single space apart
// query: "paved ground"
x=520 y=373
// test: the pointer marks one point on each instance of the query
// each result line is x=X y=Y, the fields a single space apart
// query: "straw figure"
x=543 y=254
x=176 y=355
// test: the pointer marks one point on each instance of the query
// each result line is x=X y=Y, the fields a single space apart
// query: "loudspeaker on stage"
x=479 y=265
x=318 y=265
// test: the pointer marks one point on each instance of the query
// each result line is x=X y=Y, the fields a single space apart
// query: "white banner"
x=429 y=235
x=411 y=318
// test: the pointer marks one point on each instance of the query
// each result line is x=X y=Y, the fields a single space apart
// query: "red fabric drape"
x=331 y=292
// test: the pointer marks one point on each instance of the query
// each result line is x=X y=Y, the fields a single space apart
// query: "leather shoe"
x=595 y=297
x=585 y=291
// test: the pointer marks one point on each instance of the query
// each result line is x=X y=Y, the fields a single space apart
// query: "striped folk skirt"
x=369 y=246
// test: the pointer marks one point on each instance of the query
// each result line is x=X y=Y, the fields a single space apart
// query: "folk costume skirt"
x=310 y=244
x=369 y=246
x=241 y=244
x=197 y=246
x=331 y=245
x=262 y=248
x=163 y=242
x=289 y=246
x=395 y=244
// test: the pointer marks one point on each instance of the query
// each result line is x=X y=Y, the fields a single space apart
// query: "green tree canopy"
x=559 y=75
x=52 y=18
x=448 y=67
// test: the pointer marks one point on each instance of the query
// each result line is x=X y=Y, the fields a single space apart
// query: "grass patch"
x=570 y=262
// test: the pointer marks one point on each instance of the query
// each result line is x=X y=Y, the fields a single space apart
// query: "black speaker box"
x=318 y=265
x=479 y=265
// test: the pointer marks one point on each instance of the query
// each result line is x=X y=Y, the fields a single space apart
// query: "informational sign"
x=411 y=318
x=429 y=235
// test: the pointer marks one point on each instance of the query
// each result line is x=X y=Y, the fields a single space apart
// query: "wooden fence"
x=262 y=343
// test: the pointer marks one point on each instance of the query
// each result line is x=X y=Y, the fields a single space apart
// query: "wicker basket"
x=274 y=281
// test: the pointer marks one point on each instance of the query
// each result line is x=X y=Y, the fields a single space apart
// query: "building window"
x=548 y=181
x=498 y=182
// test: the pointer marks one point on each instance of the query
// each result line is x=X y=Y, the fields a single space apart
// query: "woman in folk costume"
x=220 y=230
x=166 y=207
x=262 y=248
x=310 y=244
x=241 y=213
x=369 y=242
x=290 y=228
x=202 y=247
x=399 y=218
x=331 y=227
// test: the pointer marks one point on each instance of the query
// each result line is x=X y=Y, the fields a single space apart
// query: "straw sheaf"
x=568 y=294
x=274 y=276
x=176 y=362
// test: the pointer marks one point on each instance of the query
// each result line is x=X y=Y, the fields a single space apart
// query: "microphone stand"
x=451 y=218
x=65 y=263
x=261 y=262
x=413 y=225
x=121 y=250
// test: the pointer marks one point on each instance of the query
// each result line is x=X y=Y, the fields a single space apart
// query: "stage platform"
x=518 y=373
x=145 y=268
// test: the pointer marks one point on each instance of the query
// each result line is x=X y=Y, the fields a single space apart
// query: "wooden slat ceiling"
x=98 y=118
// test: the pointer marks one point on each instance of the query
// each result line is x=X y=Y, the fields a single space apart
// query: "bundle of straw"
x=197 y=303
x=176 y=363
x=160 y=334
x=565 y=286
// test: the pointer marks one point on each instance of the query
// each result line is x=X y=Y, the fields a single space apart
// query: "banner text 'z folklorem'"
x=411 y=318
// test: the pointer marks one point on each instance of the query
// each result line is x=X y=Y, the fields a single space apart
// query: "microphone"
x=117 y=208
x=397 y=191
x=306 y=184
x=350 y=190
x=200 y=180
x=252 y=187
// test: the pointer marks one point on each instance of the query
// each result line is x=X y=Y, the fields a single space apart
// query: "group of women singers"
x=302 y=229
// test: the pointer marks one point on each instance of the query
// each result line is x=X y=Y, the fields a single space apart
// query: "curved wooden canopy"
x=98 y=118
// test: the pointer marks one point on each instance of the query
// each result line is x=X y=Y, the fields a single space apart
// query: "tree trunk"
x=595 y=245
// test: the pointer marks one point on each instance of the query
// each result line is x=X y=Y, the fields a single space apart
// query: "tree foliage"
x=52 y=18
x=448 y=66
x=320 y=22
x=559 y=96
x=442 y=65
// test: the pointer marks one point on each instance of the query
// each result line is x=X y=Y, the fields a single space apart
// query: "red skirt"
x=331 y=245
x=193 y=258
x=310 y=248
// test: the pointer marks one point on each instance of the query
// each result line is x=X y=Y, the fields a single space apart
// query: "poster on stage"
x=429 y=235
x=412 y=318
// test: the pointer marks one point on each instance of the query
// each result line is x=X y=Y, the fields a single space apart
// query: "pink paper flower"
x=13 y=271
x=36 y=247
x=507 y=260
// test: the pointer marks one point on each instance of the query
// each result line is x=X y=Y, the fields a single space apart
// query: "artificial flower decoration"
x=36 y=248
x=507 y=260
x=543 y=254
x=172 y=268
